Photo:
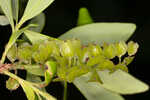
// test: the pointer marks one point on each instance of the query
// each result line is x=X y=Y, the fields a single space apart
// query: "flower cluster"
x=74 y=59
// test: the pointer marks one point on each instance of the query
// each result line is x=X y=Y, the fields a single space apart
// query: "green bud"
x=66 y=49
x=12 y=84
x=109 y=51
x=12 y=53
x=25 y=52
x=121 y=48
x=128 y=60
x=51 y=68
x=43 y=53
x=132 y=48
x=95 y=49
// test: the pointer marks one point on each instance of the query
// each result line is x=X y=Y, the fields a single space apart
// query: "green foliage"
x=93 y=90
x=7 y=9
x=15 y=9
x=34 y=8
x=86 y=60
x=40 y=21
x=101 y=32
x=70 y=63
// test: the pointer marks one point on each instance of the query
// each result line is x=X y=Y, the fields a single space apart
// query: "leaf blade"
x=35 y=7
x=121 y=82
x=7 y=9
x=93 y=90
x=101 y=32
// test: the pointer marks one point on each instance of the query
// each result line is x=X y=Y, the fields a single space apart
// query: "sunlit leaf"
x=3 y=20
x=132 y=48
x=12 y=84
x=84 y=17
x=36 y=37
x=122 y=82
x=34 y=7
x=40 y=21
x=28 y=90
x=93 y=90
x=15 y=9
x=7 y=9
x=101 y=32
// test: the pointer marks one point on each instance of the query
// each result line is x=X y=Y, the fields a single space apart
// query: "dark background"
x=62 y=15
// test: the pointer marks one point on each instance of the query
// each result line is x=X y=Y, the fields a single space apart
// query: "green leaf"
x=13 y=39
x=15 y=9
x=33 y=8
x=40 y=21
x=36 y=37
x=132 y=48
x=122 y=82
x=12 y=84
x=3 y=20
x=6 y=7
x=93 y=90
x=28 y=90
x=36 y=79
x=84 y=17
x=101 y=32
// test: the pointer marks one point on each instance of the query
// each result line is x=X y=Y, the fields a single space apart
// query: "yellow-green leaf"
x=28 y=90
x=33 y=8
x=7 y=9
x=93 y=90
x=122 y=82
x=101 y=32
